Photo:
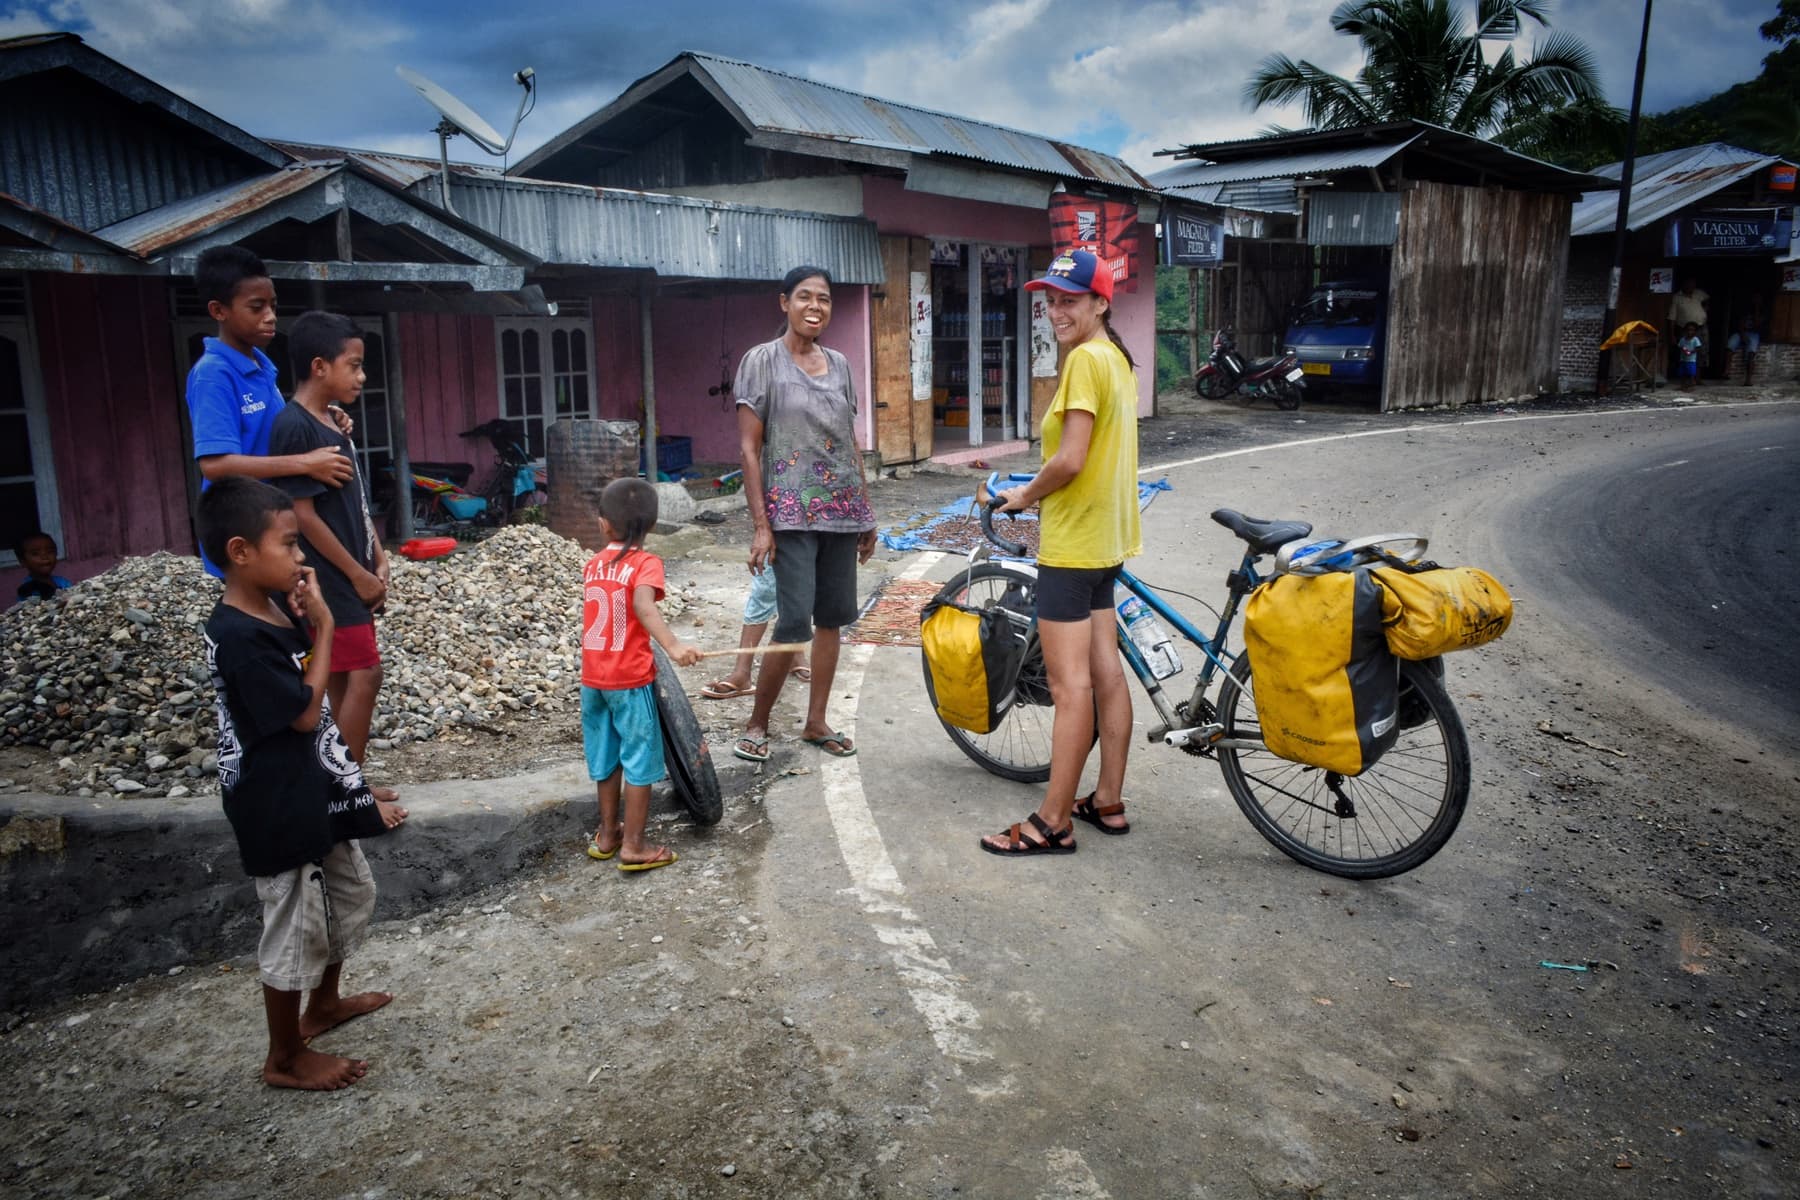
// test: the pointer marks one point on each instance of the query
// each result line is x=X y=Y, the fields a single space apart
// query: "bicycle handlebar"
x=1010 y=548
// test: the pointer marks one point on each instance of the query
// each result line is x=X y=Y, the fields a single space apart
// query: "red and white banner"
x=1108 y=228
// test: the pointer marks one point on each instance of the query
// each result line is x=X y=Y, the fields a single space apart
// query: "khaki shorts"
x=313 y=916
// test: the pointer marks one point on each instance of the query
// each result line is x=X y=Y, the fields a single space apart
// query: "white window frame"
x=23 y=332
x=546 y=328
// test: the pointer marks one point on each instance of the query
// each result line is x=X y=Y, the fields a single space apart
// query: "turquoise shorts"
x=620 y=729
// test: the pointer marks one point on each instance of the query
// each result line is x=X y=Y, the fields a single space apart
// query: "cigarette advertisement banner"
x=1191 y=240
x=1108 y=228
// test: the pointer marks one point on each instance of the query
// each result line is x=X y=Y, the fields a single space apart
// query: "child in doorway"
x=759 y=610
x=287 y=778
x=619 y=729
x=1689 y=345
x=36 y=552
x=336 y=531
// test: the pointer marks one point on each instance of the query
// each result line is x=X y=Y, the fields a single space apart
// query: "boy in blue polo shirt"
x=231 y=393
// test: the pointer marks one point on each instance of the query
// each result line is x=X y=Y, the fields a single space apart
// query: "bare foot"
x=384 y=793
x=320 y=1016
x=311 y=1071
x=392 y=815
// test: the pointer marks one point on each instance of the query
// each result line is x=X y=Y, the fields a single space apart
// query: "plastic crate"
x=674 y=454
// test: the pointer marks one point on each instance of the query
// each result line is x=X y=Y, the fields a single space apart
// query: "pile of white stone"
x=111 y=679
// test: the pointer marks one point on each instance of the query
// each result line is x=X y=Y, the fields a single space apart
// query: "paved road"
x=1183 y=1012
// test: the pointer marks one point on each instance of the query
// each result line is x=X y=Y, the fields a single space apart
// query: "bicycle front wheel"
x=1018 y=748
x=1384 y=822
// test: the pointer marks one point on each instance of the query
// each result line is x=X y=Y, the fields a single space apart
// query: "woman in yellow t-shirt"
x=1087 y=527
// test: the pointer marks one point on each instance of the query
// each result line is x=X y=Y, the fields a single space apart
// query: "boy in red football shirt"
x=619 y=729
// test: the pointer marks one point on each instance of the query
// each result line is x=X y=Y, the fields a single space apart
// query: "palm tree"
x=1422 y=61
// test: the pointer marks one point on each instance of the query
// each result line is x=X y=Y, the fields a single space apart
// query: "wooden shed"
x=1469 y=239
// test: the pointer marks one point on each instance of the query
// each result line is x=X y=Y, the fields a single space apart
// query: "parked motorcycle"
x=1225 y=373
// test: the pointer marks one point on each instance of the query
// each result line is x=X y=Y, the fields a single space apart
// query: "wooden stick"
x=771 y=648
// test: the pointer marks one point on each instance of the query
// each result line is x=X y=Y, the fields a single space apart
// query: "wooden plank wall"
x=114 y=403
x=1475 y=307
x=452 y=384
x=897 y=427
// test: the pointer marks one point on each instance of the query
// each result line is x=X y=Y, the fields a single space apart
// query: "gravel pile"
x=112 y=679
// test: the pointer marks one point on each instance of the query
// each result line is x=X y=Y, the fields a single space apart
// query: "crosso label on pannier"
x=973 y=656
x=1434 y=610
x=1325 y=684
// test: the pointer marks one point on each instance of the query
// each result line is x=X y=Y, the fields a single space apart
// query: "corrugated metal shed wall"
x=672 y=236
x=85 y=156
x=1352 y=218
x=1475 y=307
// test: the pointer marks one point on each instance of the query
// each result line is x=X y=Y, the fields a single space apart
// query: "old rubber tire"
x=684 y=745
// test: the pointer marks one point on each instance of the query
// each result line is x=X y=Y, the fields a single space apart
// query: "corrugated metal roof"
x=398 y=171
x=775 y=102
x=1261 y=195
x=675 y=236
x=1665 y=183
x=173 y=224
x=1299 y=165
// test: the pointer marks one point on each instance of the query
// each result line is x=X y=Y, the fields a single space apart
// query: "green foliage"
x=1172 y=313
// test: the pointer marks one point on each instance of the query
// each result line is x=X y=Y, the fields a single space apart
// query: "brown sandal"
x=1085 y=810
x=1055 y=842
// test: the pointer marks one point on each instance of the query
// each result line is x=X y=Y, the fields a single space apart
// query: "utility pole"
x=1620 y=233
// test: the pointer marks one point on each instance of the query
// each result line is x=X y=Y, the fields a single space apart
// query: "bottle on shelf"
x=1150 y=638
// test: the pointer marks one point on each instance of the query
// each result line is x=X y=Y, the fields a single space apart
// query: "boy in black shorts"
x=291 y=789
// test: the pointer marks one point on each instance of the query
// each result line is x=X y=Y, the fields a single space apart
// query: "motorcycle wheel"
x=1213 y=385
x=1287 y=397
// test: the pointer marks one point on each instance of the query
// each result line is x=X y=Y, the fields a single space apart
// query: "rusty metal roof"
x=398 y=171
x=774 y=102
x=172 y=224
x=1666 y=183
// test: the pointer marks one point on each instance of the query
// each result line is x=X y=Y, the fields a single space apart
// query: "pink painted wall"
x=452 y=384
x=917 y=214
x=113 y=398
x=699 y=341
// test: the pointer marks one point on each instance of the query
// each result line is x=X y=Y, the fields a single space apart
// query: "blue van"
x=1339 y=332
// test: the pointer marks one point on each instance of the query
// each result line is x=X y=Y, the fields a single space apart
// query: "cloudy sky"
x=1126 y=76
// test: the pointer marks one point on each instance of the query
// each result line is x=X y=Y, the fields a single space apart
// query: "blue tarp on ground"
x=915 y=533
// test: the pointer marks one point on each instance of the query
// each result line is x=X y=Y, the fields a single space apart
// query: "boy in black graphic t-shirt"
x=294 y=796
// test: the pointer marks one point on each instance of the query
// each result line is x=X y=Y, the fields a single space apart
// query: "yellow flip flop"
x=654 y=863
x=594 y=851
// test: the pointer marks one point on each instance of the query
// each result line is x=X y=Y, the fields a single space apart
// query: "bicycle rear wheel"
x=1018 y=748
x=1384 y=822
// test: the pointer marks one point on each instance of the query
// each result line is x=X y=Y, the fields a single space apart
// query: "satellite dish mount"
x=456 y=117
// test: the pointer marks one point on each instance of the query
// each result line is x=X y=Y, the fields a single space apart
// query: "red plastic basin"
x=431 y=547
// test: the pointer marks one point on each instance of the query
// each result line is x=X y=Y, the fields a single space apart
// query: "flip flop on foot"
x=752 y=749
x=1087 y=810
x=595 y=852
x=1014 y=843
x=726 y=689
x=663 y=859
x=825 y=742
x=803 y=674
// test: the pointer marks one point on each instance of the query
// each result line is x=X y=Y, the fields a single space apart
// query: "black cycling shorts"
x=1072 y=593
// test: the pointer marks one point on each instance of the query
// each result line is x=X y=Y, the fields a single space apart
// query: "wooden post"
x=646 y=289
x=396 y=399
x=1193 y=321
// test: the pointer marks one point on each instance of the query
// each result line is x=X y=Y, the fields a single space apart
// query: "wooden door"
x=902 y=424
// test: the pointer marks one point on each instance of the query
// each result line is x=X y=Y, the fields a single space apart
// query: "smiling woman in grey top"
x=808 y=498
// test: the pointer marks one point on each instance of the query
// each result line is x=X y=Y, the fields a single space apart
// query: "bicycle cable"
x=1185 y=596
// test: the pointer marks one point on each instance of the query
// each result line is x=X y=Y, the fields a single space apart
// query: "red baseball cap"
x=1076 y=271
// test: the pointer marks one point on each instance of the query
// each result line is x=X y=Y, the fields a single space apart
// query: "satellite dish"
x=460 y=118
x=467 y=121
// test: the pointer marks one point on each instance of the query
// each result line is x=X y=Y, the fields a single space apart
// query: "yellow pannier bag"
x=1326 y=686
x=1435 y=610
x=972 y=659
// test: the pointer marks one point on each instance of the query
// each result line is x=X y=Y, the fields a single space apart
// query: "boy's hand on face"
x=371 y=589
x=686 y=654
x=346 y=425
x=327 y=465
x=310 y=606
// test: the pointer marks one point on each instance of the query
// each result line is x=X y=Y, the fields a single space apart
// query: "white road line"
x=1680 y=462
x=1436 y=427
x=928 y=976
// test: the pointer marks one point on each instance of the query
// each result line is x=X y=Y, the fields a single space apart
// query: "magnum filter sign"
x=1730 y=231
x=1108 y=228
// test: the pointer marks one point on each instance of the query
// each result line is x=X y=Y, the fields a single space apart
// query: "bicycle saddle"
x=1265 y=537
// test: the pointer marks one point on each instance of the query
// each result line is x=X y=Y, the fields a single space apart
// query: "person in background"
x=232 y=396
x=1747 y=337
x=810 y=515
x=1688 y=306
x=36 y=552
x=620 y=732
x=759 y=610
x=1088 y=526
x=336 y=530
x=1688 y=347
